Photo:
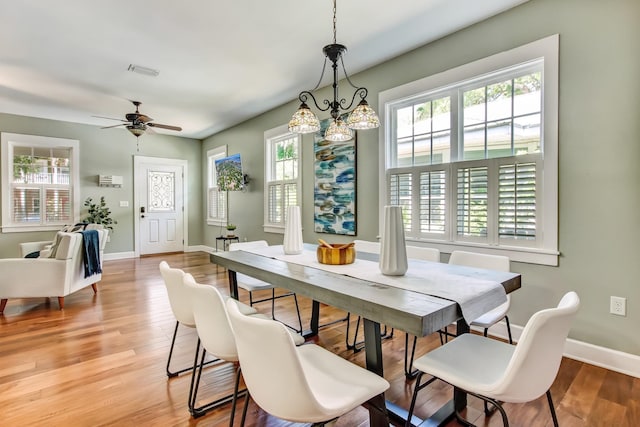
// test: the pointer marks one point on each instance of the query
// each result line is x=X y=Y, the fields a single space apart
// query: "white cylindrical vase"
x=292 y=242
x=393 y=251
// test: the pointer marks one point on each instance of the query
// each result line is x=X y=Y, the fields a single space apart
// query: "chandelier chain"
x=334 y=22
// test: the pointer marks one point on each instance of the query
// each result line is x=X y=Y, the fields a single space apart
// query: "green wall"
x=110 y=152
x=599 y=151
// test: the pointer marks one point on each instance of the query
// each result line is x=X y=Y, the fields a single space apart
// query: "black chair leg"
x=416 y=389
x=408 y=362
x=356 y=346
x=244 y=408
x=199 y=411
x=173 y=342
x=552 y=409
x=506 y=318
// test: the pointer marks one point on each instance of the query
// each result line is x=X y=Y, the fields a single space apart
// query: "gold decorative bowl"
x=339 y=254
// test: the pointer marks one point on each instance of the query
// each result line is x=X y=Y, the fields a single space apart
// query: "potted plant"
x=231 y=228
x=99 y=214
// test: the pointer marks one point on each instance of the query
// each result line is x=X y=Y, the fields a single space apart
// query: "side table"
x=226 y=240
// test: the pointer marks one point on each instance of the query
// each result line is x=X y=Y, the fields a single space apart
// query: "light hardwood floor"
x=101 y=361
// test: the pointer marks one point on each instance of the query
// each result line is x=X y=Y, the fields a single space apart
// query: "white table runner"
x=475 y=296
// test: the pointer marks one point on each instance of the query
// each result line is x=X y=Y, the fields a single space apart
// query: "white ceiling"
x=220 y=63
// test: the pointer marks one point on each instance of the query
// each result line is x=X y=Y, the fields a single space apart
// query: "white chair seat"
x=338 y=384
x=244 y=308
x=492 y=317
x=297 y=338
x=479 y=362
x=251 y=284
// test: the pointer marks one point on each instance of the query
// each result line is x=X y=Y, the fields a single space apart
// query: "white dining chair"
x=489 y=262
x=251 y=284
x=180 y=303
x=217 y=339
x=305 y=384
x=497 y=372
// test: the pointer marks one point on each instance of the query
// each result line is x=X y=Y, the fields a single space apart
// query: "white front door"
x=160 y=205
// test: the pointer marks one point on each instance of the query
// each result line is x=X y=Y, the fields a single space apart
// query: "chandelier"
x=362 y=117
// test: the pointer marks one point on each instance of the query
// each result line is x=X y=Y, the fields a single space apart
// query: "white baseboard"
x=119 y=255
x=201 y=248
x=614 y=360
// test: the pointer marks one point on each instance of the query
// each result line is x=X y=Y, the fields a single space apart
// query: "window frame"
x=212 y=186
x=545 y=251
x=271 y=136
x=11 y=140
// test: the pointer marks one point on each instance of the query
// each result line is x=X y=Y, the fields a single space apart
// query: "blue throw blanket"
x=91 y=252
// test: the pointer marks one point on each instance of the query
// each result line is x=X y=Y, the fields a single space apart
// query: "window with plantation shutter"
x=282 y=176
x=41 y=174
x=216 y=199
x=471 y=155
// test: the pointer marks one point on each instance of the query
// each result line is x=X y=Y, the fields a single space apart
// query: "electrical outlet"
x=618 y=306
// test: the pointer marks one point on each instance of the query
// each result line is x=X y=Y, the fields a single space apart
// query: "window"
x=40 y=175
x=283 y=179
x=471 y=155
x=216 y=199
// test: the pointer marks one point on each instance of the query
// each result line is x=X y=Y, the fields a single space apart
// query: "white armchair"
x=57 y=276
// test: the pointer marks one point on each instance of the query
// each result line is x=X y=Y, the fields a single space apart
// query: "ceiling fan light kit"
x=362 y=117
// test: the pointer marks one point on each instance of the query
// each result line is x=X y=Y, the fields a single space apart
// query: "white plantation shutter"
x=217 y=204
x=433 y=202
x=471 y=212
x=400 y=192
x=517 y=201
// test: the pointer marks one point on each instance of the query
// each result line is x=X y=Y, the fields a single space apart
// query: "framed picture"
x=334 y=192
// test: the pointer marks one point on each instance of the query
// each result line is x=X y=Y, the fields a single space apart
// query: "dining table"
x=428 y=297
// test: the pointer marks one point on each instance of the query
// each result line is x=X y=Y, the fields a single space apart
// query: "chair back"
x=476 y=260
x=367 y=246
x=179 y=300
x=271 y=367
x=425 y=254
x=248 y=245
x=536 y=358
x=212 y=323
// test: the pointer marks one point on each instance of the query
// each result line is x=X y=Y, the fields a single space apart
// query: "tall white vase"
x=292 y=243
x=393 y=251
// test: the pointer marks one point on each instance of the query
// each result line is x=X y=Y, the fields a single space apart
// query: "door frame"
x=138 y=161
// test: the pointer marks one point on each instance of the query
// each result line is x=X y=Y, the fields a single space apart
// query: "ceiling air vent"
x=143 y=70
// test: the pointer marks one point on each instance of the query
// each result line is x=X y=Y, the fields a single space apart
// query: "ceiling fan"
x=138 y=123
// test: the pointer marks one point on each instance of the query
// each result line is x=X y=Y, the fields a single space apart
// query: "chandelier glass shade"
x=362 y=117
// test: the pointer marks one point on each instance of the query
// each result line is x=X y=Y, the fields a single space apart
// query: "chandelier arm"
x=305 y=95
x=359 y=91
x=344 y=70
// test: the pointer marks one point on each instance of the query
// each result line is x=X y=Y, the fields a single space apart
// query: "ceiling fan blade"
x=114 y=126
x=110 y=118
x=158 y=125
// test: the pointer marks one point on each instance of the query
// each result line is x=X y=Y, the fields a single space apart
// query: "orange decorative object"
x=336 y=255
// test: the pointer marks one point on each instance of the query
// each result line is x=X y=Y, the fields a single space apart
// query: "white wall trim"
x=119 y=255
x=201 y=248
x=614 y=360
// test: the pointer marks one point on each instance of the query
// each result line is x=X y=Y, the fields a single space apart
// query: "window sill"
x=515 y=254
x=31 y=228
